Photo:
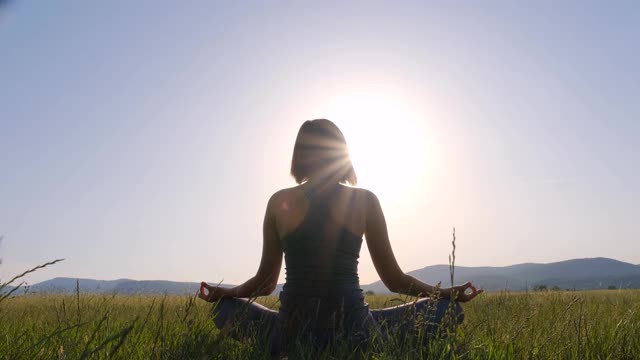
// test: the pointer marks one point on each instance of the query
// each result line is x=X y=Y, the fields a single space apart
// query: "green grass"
x=545 y=325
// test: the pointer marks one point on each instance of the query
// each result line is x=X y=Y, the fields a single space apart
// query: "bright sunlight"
x=388 y=147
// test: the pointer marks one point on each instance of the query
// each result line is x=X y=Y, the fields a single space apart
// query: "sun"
x=387 y=142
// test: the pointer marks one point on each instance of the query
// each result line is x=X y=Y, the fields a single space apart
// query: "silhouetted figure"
x=318 y=226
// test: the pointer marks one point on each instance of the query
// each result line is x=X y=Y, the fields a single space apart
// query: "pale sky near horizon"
x=143 y=139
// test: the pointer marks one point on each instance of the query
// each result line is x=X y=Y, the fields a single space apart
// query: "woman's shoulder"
x=357 y=193
x=290 y=197
x=286 y=193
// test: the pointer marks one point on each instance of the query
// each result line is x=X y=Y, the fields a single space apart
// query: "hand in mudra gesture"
x=210 y=293
x=465 y=292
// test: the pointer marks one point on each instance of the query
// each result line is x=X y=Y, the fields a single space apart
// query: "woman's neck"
x=320 y=186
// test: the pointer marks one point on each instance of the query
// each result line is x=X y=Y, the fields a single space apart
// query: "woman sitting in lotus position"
x=318 y=226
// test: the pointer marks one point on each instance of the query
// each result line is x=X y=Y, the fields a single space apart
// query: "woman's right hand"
x=459 y=293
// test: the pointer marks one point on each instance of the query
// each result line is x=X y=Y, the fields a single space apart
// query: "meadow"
x=536 y=325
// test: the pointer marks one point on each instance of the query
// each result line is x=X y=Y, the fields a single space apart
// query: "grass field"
x=539 y=325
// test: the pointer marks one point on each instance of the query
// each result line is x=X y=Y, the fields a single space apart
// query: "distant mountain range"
x=120 y=286
x=578 y=274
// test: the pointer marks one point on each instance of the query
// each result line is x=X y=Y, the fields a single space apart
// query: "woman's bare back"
x=347 y=209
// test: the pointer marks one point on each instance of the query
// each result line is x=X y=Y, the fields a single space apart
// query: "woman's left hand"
x=210 y=293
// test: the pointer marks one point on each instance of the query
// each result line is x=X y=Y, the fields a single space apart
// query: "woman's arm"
x=387 y=267
x=266 y=279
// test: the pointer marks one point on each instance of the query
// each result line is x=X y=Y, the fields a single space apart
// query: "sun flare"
x=387 y=143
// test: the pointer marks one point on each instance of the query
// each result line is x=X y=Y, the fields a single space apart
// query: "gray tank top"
x=321 y=259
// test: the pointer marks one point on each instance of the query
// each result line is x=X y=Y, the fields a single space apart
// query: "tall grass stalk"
x=20 y=276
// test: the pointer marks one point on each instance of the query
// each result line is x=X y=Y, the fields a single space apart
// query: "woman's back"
x=321 y=252
x=321 y=243
x=346 y=207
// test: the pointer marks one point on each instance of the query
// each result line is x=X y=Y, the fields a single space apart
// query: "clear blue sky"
x=143 y=139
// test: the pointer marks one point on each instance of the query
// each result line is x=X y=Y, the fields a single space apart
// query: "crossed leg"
x=426 y=315
x=239 y=317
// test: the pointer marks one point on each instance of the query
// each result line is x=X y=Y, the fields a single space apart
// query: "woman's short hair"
x=321 y=151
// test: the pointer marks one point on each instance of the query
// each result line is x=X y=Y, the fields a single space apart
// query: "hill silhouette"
x=578 y=274
x=120 y=286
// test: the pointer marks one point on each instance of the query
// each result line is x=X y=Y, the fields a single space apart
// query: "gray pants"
x=238 y=316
